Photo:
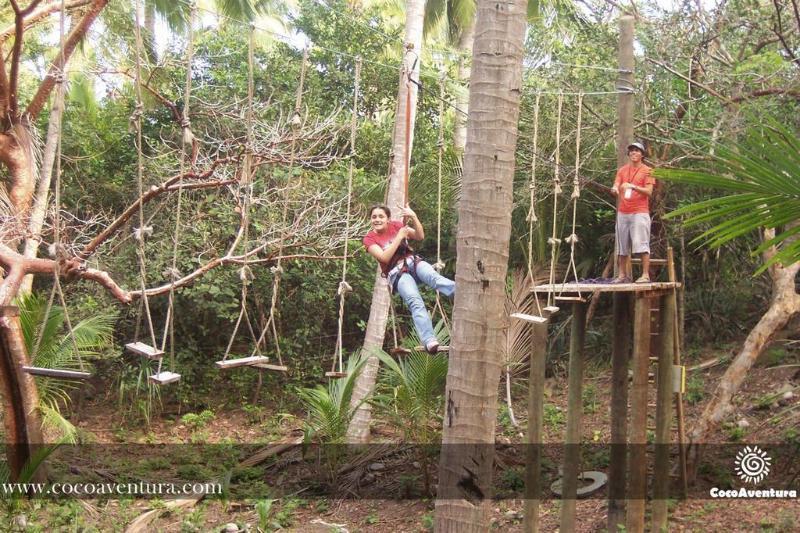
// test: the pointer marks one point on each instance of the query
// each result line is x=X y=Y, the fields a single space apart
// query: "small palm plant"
x=51 y=347
x=412 y=392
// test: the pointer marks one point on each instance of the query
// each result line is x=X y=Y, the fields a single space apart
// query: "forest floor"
x=764 y=413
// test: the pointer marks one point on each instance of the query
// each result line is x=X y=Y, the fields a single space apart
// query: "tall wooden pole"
x=637 y=441
x=533 y=455
x=621 y=303
x=572 y=442
x=664 y=413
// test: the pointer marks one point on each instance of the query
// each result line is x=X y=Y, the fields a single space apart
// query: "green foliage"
x=198 y=420
x=328 y=408
x=554 y=417
x=695 y=389
x=758 y=171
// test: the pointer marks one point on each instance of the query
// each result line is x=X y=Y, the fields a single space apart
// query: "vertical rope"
x=137 y=124
x=439 y=266
x=186 y=139
x=576 y=193
x=407 y=150
x=344 y=287
x=277 y=270
x=532 y=218
x=554 y=241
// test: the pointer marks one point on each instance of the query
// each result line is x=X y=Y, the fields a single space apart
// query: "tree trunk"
x=40 y=201
x=785 y=305
x=462 y=101
x=17 y=154
x=479 y=319
x=358 y=431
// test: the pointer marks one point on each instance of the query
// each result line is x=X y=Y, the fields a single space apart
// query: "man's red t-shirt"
x=384 y=240
x=639 y=176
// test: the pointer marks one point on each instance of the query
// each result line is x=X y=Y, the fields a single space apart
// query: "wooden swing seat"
x=441 y=348
x=552 y=309
x=164 y=377
x=144 y=350
x=55 y=373
x=579 y=299
x=267 y=366
x=242 y=361
x=336 y=374
x=399 y=350
x=529 y=318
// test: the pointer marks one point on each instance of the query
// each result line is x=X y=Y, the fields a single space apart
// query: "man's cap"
x=639 y=146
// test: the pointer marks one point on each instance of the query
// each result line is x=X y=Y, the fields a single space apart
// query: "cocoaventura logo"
x=752 y=466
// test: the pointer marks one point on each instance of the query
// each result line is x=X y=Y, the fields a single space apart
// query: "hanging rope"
x=576 y=193
x=187 y=139
x=407 y=151
x=277 y=270
x=532 y=218
x=439 y=265
x=246 y=183
x=344 y=287
x=136 y=120
x=554 y=241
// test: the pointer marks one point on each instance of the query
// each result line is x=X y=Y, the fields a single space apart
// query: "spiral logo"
x=752 y=464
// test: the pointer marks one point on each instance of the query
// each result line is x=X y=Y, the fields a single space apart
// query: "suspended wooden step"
x=267 y=366
x=571 y=299
x=399 y=350
x=552 y=309
x=55 y=373
x=242 y=361
x=145 y=350
x=336 y=374
x=529 y=318
x=654 y=262
x=441 y=348
x=164 y=377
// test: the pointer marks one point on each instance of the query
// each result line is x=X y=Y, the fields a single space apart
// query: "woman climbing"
x=388 y=243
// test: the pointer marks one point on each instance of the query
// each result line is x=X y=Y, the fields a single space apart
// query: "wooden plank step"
x=277 y=368
x=144 y=350
x=336 y=374
x=654 y=262
x=529 y=318
x=441 y=348
x=552 y=309
x=164 y=377
x=55 y=373
x=400 y=351
x=241 y=361
x=580 y=299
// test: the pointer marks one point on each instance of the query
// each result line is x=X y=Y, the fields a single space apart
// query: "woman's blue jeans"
x=407 y=287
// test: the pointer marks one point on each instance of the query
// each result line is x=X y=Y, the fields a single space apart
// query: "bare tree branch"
x=42 y=13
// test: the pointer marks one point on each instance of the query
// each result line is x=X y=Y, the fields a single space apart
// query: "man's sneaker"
x=432 y=347
x=644 y=279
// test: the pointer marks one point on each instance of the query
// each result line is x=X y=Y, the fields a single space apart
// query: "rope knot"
x=138 y=111
x=246 y=274
x=185 y=122
x=276 y=270
x=171 y=274
x=296 y=122
x=557 y=187
x=344 y=288
x=552 y=241
x=532 y=217
x=438 y=266
x=59 y=76
x=576 y=192
x=140 y=233
x=572 y=239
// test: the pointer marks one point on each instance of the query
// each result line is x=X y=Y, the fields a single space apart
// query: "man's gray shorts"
x=633 y=232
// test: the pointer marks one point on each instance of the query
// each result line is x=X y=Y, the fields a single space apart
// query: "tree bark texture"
x=465 y=41
x=479 y=318
x=358 y=431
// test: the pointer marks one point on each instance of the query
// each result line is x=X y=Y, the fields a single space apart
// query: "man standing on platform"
x=633 y=186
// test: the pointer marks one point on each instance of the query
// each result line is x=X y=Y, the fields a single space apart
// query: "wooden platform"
x=573 y=288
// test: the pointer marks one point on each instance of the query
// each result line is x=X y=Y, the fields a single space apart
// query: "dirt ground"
x=770 y=415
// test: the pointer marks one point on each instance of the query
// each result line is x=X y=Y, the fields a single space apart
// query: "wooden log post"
x=533 y=441
x=664 y=397
x=637 y=437
x=618 y=458
x=572 y=441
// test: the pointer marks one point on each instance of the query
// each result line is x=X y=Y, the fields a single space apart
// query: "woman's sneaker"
x=432 y=347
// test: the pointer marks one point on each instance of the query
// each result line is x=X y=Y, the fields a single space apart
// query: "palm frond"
x=761 y=171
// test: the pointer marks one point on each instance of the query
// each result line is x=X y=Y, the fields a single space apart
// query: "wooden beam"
x=533 y=439
x=618 y=459
x=241 y=361
x=56 y=373
x=572 y=440
x=664 y=397
x=637 y=432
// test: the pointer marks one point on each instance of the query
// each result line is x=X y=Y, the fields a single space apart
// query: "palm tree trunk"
x=484 y=229
x=358 y=431
x=462 y=102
